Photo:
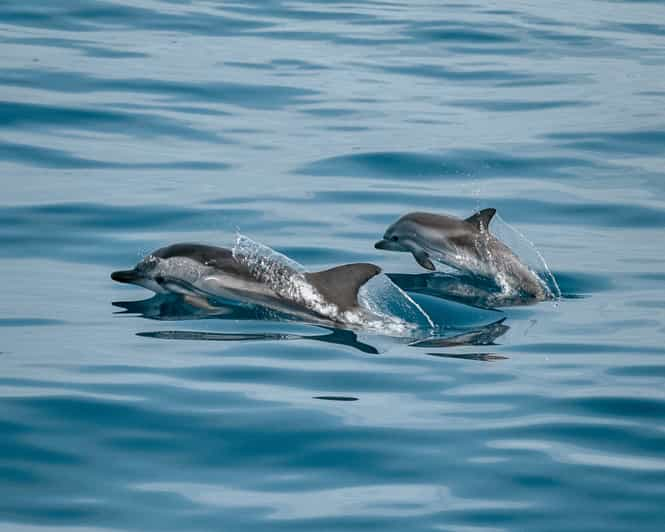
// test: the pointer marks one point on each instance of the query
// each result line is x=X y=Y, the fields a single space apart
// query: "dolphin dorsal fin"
x=340 y=285
x=481 y=220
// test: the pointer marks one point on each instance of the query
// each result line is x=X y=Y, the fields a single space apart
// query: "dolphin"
x=484 y=335
x=199 y=271
x=465 y=245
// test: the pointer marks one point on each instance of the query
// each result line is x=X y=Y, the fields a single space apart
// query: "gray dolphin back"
x=340 y=285
x=213 y=256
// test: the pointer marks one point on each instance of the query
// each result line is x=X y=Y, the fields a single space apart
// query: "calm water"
x=311 y=126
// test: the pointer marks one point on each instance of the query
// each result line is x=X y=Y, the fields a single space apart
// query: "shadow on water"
x=336 y=398
x=173 y=307
x=335 y=336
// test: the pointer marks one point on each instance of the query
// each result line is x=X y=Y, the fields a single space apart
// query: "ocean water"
x=310 y=126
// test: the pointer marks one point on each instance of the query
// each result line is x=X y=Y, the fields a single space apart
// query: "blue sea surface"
x=311 y=126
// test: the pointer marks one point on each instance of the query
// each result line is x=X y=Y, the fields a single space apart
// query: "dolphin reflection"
x=174 y=307
x=463 y=288
x=484 y=335
x=335 y=336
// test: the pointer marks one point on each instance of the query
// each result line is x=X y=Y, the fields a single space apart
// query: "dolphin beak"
x=125 y=276
x=381 y=244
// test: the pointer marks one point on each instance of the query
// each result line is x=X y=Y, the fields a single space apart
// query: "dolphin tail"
x=340 y=285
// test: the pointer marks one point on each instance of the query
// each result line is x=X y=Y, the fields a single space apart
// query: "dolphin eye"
x=394 y=238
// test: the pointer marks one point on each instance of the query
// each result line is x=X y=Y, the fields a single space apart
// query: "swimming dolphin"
x=198 y=271
x=463 y=244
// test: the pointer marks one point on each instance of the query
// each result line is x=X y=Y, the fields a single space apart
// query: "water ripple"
x=483 y=164
x=244 y=95
x=23 y=115
x=129 y=125
x=42 y=157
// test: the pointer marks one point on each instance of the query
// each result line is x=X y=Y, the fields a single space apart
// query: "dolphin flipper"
x=341 y=284
x=423 y=259
x=199 y=302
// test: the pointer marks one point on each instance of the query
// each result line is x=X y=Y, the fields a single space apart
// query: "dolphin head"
x=448 y=239
x=173 y=267
x=419 y=233
x=396 y=237
x=146 y=274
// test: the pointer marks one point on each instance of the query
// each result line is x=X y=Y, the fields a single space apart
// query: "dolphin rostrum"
x=198 y=271
x=465 y=245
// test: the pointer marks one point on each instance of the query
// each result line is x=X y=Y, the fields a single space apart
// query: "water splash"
x=262 y=257
x=383 y=307
x=283 y=275
x=527 y=251
x=383 y=297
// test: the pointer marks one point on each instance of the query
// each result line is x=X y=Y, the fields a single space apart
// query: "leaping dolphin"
x=198 y=271
x=463 y=244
